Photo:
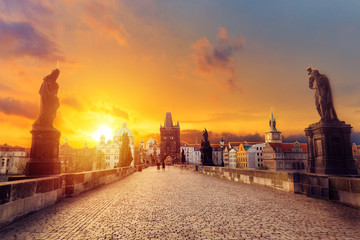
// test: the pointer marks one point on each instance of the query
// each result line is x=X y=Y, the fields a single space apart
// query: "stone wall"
x=20 y=198
x=279 y=180
x=345 y=190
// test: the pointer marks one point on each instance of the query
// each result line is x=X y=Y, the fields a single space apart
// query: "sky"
x=220 y=65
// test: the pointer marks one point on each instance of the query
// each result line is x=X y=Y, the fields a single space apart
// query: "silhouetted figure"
x=49 y=102
x=158 y=165
x=206 y=150
x=163 y=165
x=323 y=96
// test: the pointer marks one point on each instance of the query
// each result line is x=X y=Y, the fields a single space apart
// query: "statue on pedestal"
x=206 y=150
x=323 y=96
x=44 y=155
x=329 y=144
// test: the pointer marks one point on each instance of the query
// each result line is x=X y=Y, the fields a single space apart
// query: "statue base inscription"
x=329 y=148
x=44 y=160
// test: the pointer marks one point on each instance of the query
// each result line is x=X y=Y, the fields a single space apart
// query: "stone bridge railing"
x=345 y=190
x=20 y=198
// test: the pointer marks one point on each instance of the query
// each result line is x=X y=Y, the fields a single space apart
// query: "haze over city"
x=214 y=64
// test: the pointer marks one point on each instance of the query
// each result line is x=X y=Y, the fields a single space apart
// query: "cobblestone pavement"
x=180 y=204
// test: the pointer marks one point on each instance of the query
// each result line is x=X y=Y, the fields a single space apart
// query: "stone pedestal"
x=329 y=148
x=44 y=155
x=206 y=156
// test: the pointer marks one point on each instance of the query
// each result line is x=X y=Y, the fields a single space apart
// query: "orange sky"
x=212 y=65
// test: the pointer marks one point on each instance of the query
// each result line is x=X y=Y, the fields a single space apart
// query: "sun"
x=103 y=130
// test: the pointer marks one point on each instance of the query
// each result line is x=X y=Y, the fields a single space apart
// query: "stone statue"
x=205 y=135
x=206 y=150
x=323 y=96
x=49 y=102
x=44 y=154
x=328 y=141
x=183 y=157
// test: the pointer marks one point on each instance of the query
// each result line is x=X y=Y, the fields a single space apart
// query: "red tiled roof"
x=7 y=147
x=287 y=147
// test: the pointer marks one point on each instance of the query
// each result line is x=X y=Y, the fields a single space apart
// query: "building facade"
x=13 y=159
x=254 y=155
x=285 y=156
x=110 y=150
x=232 y=157
x=217 y=154
x=150 y=151
x=76 y=159
x=170 y=140
x=242 y=155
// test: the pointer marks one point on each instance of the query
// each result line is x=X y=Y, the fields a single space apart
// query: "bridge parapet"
x=342 y=189
x=19 y=198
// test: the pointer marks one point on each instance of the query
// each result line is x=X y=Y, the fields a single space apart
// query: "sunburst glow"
x=103 y=130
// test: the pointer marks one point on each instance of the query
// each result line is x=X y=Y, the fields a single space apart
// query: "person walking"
x=163 y=164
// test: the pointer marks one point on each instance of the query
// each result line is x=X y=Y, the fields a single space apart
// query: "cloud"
x=11 y=106
x=33 y=10
x=120 y=113
x=211 y=59
x=21 y=39
x=6 y=88
x=293 y=138
x=355 y=138
x=72 y=102
x=193 y=136
x=100 y=18
x=108 y=109
x=227 y=117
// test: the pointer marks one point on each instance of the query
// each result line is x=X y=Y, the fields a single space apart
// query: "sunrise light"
x=103 y=130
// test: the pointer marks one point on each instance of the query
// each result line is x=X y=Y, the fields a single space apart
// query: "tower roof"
x=272 y=123
x=168 y=120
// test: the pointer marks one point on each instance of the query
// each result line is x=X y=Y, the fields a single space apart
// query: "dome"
x=123 y=130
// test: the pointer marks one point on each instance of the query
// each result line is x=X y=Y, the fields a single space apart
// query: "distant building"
x=272 y=135
x=76 y=159
x=170 y=140
x=232 y=157
x=150 y=151
x=254 y=155
x=285 y=156
x=13 y=159
x=242 y=155
x=241 y=158
x=226 y=156
x=110 y=150
x=192 y=152
x=216 y=154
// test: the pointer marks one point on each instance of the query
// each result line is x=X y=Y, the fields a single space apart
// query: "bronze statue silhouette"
x=206 y=150
x=323 y=96
x=49 y=102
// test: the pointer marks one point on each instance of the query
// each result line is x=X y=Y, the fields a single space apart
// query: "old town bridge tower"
x=170 y=140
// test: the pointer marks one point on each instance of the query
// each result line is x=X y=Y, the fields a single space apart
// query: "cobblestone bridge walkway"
x=178 y=204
